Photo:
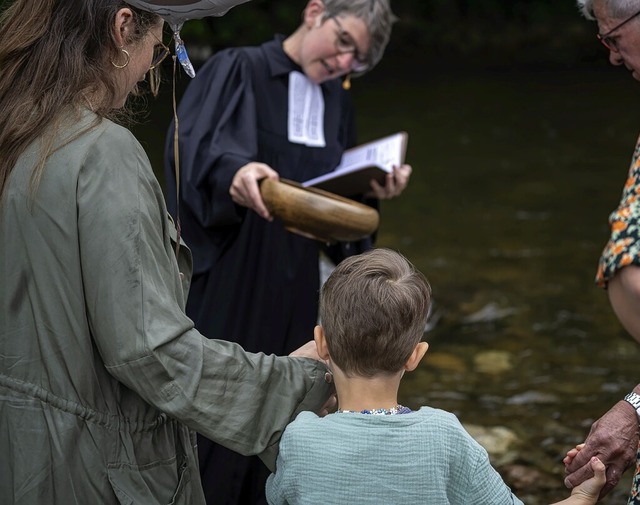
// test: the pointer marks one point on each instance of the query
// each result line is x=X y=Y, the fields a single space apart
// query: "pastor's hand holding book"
x=376 y=169
x=394 y=184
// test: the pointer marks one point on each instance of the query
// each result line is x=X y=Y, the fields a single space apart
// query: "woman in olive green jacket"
x=102 y=376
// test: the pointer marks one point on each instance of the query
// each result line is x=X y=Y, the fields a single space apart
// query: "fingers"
x=394 y=184
x=599 y=470
x=402 y=175
x=611 y=474
x=592 y=487
x=571 y=454
x=579 y=457
x=378 y=191
x=308 y=350
x=329 y=406
x=245 y=188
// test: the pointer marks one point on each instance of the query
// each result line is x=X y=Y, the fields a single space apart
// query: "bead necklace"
x=398 y=409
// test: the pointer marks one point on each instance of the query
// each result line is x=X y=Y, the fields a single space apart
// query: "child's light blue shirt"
x=421 y=457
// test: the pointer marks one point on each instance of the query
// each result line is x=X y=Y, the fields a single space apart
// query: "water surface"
x=515 y=174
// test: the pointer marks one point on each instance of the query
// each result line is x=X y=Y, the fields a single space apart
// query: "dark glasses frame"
x=610 y=43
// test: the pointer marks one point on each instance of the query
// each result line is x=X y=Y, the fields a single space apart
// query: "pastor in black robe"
x=254 y=282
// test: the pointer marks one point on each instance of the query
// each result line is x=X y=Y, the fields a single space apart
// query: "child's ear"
x=321 y=342
x=416 y=356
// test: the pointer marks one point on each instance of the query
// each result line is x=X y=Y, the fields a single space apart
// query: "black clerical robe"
x=254 y=282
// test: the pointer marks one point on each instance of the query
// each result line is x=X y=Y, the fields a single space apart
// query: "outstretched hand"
x=394 y=184
x=245 y=189
x=614 y=440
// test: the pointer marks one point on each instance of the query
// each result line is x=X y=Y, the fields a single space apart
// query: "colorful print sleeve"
x=623 y=248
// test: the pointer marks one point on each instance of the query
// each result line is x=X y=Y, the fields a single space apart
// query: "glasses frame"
x=154 y=68
x=157 y=61
x=605 y=38
x=359 y=64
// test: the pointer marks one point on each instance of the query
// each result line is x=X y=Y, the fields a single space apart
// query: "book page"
x=362 y=163
x=386 y=153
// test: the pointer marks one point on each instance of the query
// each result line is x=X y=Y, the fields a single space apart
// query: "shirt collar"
x=278 y=61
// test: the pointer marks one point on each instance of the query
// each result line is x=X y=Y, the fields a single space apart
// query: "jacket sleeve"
x=217 y=132
x=135 y=303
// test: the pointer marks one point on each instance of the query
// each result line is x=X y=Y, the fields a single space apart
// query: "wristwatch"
x=634 y=400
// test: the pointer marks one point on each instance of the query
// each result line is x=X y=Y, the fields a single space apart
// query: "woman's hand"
x=394 y=184
x=310 y=350
x=245 y=189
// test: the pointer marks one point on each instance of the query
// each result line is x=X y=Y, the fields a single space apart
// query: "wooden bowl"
x=318 y=214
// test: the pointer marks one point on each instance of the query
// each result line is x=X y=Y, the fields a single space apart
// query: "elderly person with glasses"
x=614 y=437
x=255 y=282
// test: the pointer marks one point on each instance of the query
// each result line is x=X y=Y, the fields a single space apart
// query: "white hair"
x=586 y=8
x=617 y=9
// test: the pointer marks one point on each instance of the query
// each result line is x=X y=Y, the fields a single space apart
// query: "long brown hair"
x=53 y=55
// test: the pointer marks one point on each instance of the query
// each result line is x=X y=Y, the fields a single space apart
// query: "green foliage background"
x=522 y=31
x=492 y=30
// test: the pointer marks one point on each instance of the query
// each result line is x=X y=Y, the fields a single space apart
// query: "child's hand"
x=589 y=490
x=572 y=454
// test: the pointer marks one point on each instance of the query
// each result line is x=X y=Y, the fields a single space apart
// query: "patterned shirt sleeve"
x=623 y=248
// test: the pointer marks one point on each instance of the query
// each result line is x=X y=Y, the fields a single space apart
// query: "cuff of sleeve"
x=313 y=401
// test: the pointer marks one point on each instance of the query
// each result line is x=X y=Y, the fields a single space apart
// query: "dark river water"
x=515 y=174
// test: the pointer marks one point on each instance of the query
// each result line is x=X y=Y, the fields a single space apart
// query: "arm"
x=287 y=483
x=485 y=484
x=624 y=295
x=277 y=483
x=134 y=307
x=588 y=492
x=218 y=140
x=614 y=437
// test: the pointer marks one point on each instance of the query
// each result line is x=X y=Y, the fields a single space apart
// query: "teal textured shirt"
x=424 y=457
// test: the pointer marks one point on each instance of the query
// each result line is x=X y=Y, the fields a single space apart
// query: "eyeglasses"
x=611 y=43
x=345 y=44
x=159 y=54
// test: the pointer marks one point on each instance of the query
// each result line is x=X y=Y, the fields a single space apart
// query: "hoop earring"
x=346 y=84
x=126 y=55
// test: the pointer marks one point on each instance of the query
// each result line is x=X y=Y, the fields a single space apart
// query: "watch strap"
x=633 y=399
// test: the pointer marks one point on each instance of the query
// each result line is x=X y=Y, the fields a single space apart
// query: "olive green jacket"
x=102 y=376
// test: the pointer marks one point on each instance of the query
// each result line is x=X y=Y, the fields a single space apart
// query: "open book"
x=373 y=160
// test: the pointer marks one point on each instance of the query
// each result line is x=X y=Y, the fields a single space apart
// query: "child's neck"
x=370 y=393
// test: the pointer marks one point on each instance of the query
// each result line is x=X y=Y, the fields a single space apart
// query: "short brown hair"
x=376 y=15
x=373 y=310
